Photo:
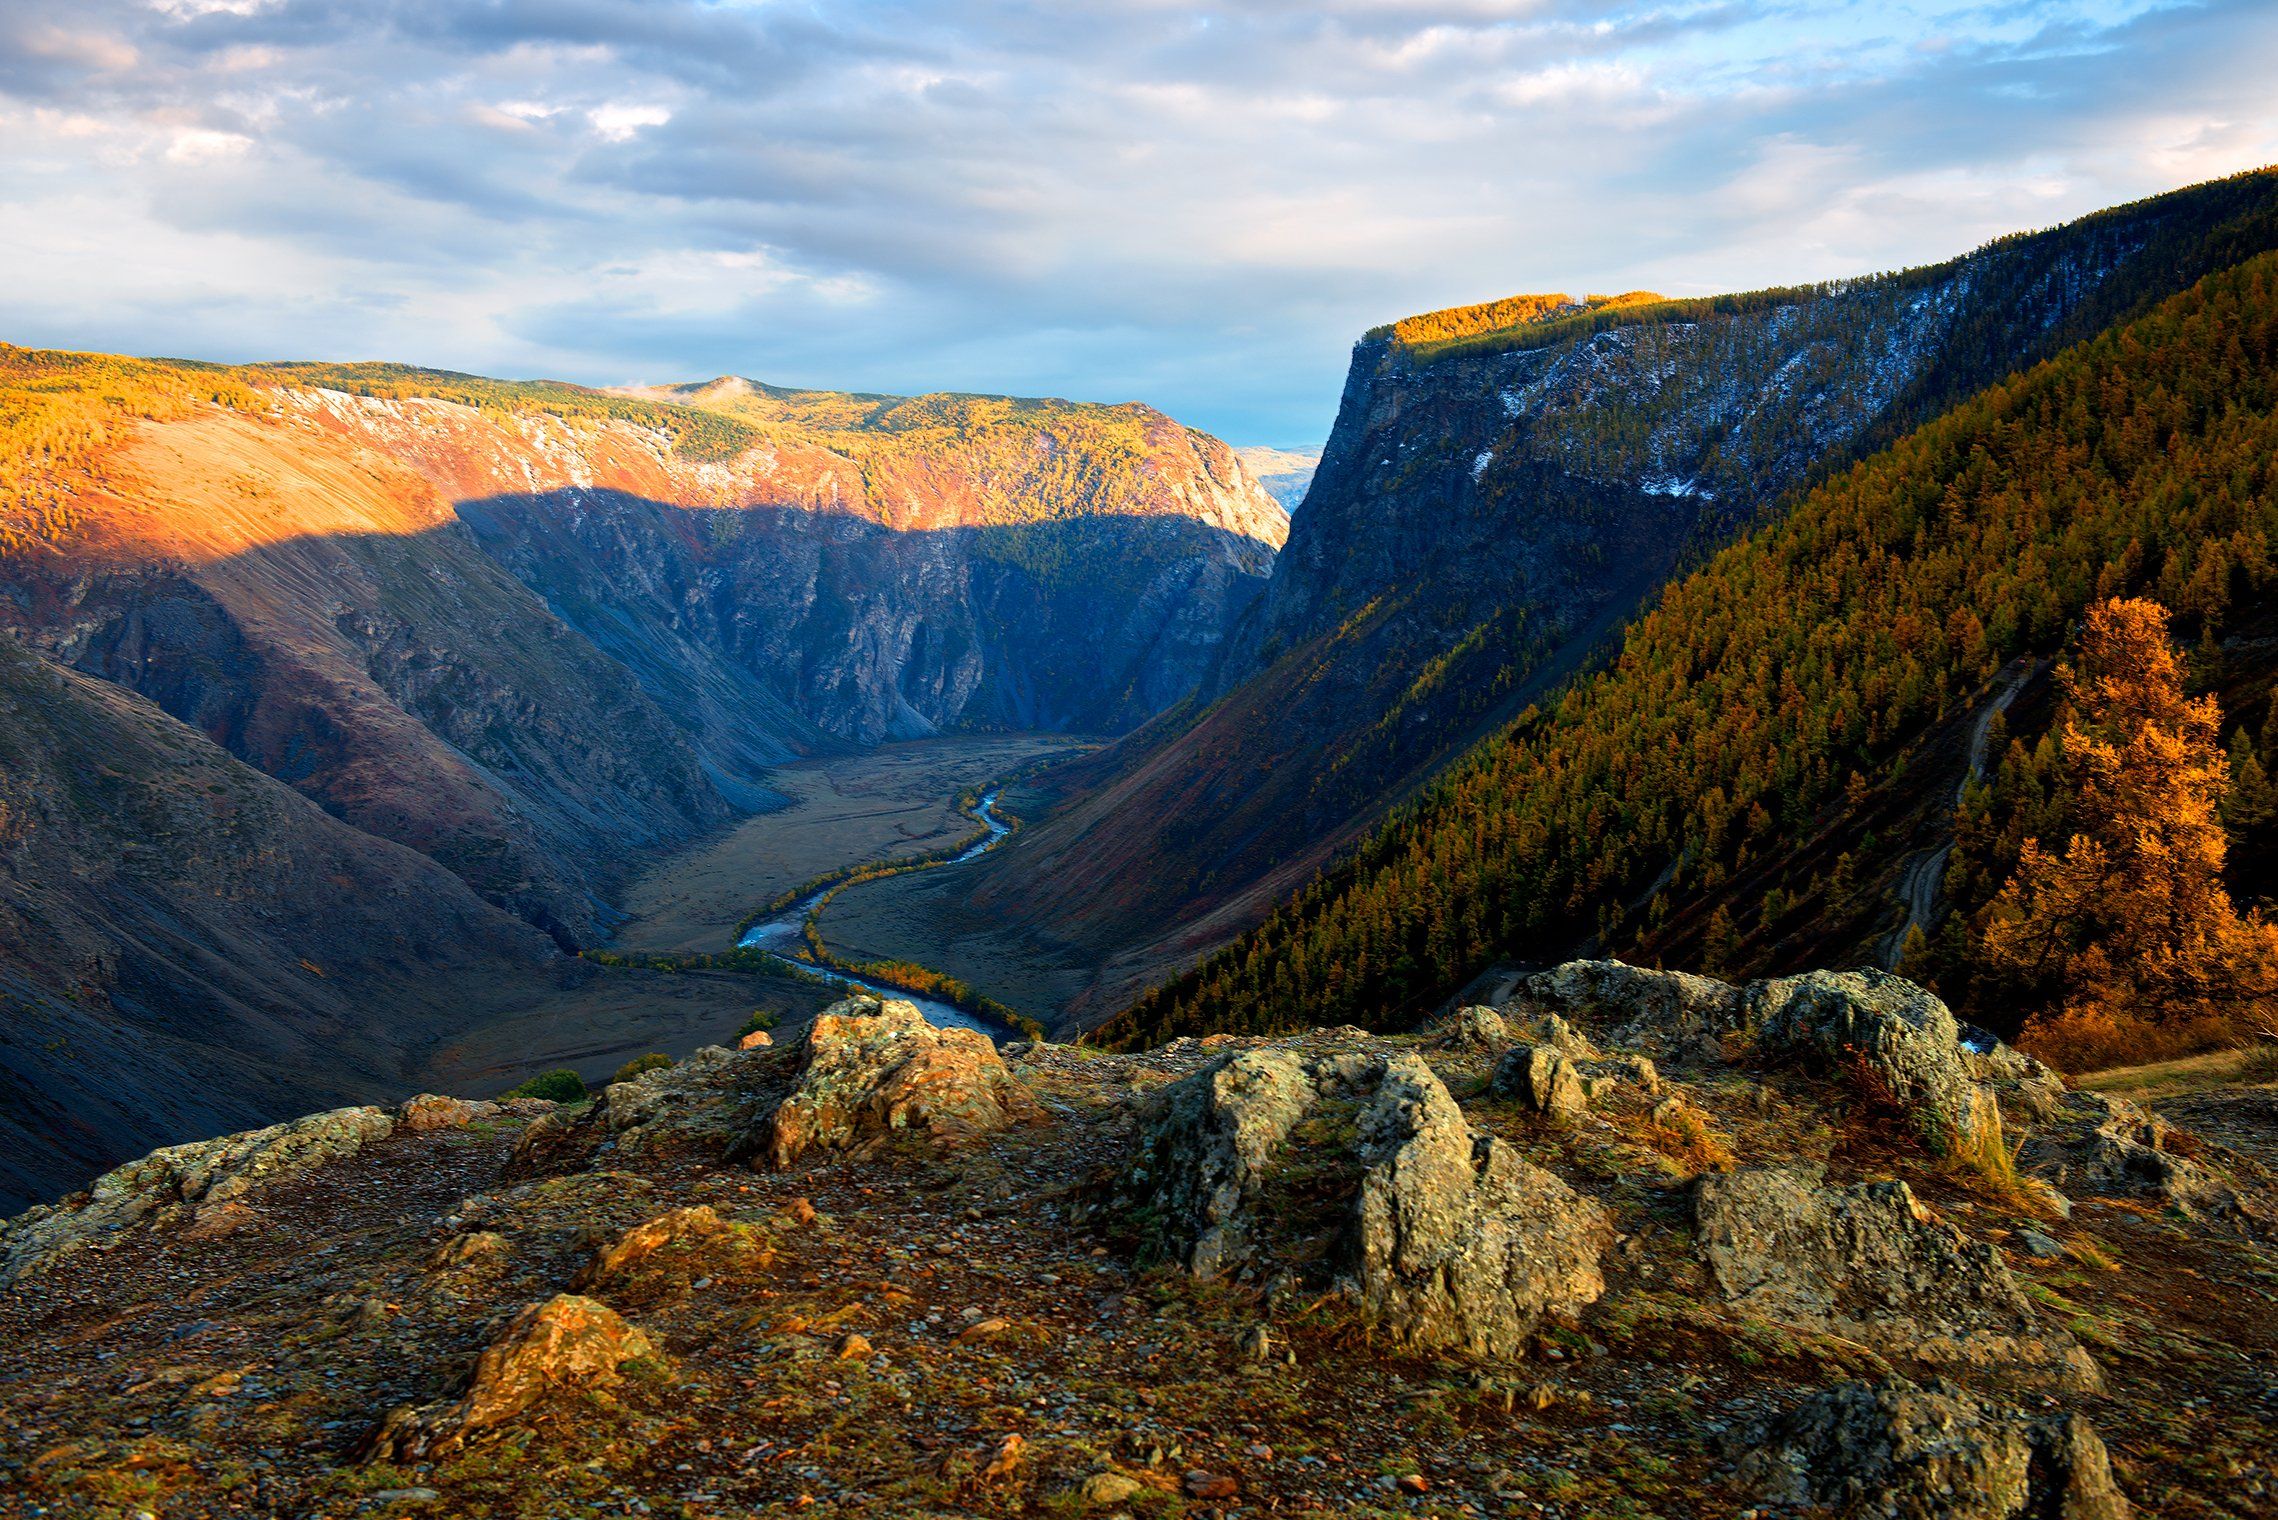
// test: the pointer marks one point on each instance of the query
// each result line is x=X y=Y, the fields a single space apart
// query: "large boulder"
x=2095 y=1145
x=869 y=1069
x=1871 y=1264
x=1896 y=1451
x=1673 y=1011
x=206 y=1183
x=1886 y=1035
x=1462 y=1242
x=1360 y=1162
x=692 y=1239
x=563 y=1345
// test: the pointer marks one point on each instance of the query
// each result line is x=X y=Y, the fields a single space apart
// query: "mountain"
x=1285 y=473
x=1503 y=490
x=1784 y=737
x=527 y=633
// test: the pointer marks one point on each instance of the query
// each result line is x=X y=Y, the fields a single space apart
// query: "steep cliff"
x=1490 y=508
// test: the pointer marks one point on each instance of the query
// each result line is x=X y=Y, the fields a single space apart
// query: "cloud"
x=1124 y=199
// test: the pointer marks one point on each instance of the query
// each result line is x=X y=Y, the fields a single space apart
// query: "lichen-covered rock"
x=564 y=1344
x=1884 y=1032
x=1212 y=1141
x=2097 y=1145
x=1461 y=1241
x=1671 y=1010
x=434 y=1111
x=1897 y=1451
x=677 y=1235
x=1472 y=1027
x=869 y=1069
x=1542 y=1079
x=474 y=1248
x=208 y=1181
x=1449 y=1238
x=1871 y=1264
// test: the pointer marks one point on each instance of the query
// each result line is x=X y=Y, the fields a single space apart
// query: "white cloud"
x=618 y=123
x=1124 y=198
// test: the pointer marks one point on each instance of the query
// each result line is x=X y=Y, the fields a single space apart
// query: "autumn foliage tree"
x=2126 y=936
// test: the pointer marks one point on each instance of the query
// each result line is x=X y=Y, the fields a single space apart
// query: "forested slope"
x=1777 y=696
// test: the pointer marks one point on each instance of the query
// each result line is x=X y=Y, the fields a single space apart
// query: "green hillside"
x=1788 y=684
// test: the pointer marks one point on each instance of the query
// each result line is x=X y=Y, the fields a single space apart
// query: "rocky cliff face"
x=1491 y=506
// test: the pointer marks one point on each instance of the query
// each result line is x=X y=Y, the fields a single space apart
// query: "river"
x=783 y=935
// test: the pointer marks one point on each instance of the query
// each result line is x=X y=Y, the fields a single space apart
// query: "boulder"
x=758 y=1039
x=1447 y=1237
x=473 y=1249
x=2096 y=1145
x=870 y=1069
x=1462 y=1242
x=1885 y=1035
x=1543 y=1080
x=565 y=1344
x=206 y=1182
x=1672 y=1010
x=431 y=1111
x=1473 y=1027
x=1897 y=1451
x=677 y=1234
x=1871 y=1264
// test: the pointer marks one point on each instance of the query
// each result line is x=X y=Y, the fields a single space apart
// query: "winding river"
x=783 y=935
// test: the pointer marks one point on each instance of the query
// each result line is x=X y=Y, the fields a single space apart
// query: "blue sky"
x=1199 y=207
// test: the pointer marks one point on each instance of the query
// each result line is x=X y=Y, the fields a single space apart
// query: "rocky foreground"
x=1635 y=1244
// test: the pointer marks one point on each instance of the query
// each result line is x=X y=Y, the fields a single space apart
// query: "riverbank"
x=846 y=811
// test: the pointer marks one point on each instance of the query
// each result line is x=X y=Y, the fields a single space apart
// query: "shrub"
x=761 y=1019
x=560 y=1086
x=653 y=1061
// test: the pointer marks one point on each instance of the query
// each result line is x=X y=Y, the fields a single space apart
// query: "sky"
x=1198 y=207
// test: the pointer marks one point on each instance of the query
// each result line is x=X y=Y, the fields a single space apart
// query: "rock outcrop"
x=207 y=1184
x=1542 y=1079
x=682 y=1236
x=1871 y=1264
x=563 y=1345
x=871 y=1069
x=1896 y=1451
x=2092 y=1144
x=1885 y=1033
x=1448 y=1237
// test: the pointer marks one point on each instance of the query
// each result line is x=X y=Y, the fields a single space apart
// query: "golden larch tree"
x=2127 y=937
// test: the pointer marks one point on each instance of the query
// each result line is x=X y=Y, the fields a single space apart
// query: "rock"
x=1257 y=1345
x=758 y=1039
x=1896 y=1451
x=1414 y=1483
x=1007 y=1458
x=431 y=1111
x=1111 y=1488
x=1566 y=1039
x=469 y=1250
x=1674 y=1010
x=207 y=1181
x=1869 y=1263
x=2038 y=1246
x=800 y=1212
x=681 y=1232
x=1451 y=1238
x=983 y=1330
x=1208 y=1485
x=2098 y=1145
x=1473 y=1027
x=563 y=1344
x=1212 y=1140
x=870 y=1069
x=1462 y=1242
x=852 y=1347
x=1543 y=1080
x=1886 y=1036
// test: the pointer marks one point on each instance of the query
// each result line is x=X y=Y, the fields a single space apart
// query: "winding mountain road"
x=1925 y=870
